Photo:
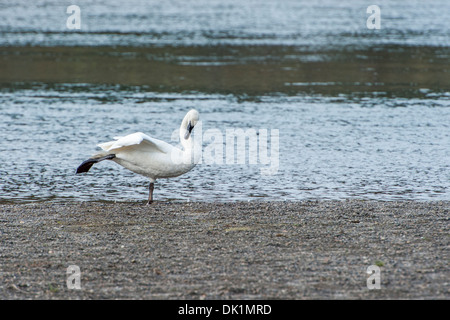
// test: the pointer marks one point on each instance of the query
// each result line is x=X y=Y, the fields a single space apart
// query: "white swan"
x=148 y=156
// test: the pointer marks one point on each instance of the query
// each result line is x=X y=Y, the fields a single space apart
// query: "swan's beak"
x=189 y=129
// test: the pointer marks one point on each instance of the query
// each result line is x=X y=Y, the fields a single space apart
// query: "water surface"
x=361 y=113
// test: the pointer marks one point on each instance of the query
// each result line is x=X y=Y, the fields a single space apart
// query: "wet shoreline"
x=239 y=250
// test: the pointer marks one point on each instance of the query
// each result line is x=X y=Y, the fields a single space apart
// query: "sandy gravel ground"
x=239 y=250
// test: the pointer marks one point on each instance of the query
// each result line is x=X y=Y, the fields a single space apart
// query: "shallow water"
x=360 y=113
x=329 y=147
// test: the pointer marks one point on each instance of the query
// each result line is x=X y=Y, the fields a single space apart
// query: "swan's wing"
x=137 y=140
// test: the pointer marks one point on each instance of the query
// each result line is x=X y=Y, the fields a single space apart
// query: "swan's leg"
x=86 y=165
x=150 y=192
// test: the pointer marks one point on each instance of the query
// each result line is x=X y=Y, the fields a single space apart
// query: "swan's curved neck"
x=186 y=143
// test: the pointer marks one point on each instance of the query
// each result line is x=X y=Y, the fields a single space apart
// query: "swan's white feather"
x=137 y=139
x=151 y=157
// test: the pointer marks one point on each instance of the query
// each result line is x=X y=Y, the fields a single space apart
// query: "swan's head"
x=189 y=121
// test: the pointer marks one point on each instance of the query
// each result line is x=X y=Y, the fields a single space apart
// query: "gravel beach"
x=238 y=250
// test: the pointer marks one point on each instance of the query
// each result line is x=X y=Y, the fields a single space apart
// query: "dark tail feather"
x=86 y=165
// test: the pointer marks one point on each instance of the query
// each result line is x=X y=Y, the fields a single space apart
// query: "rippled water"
x=360 y=113
x=325 y=23
x=330 y=147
